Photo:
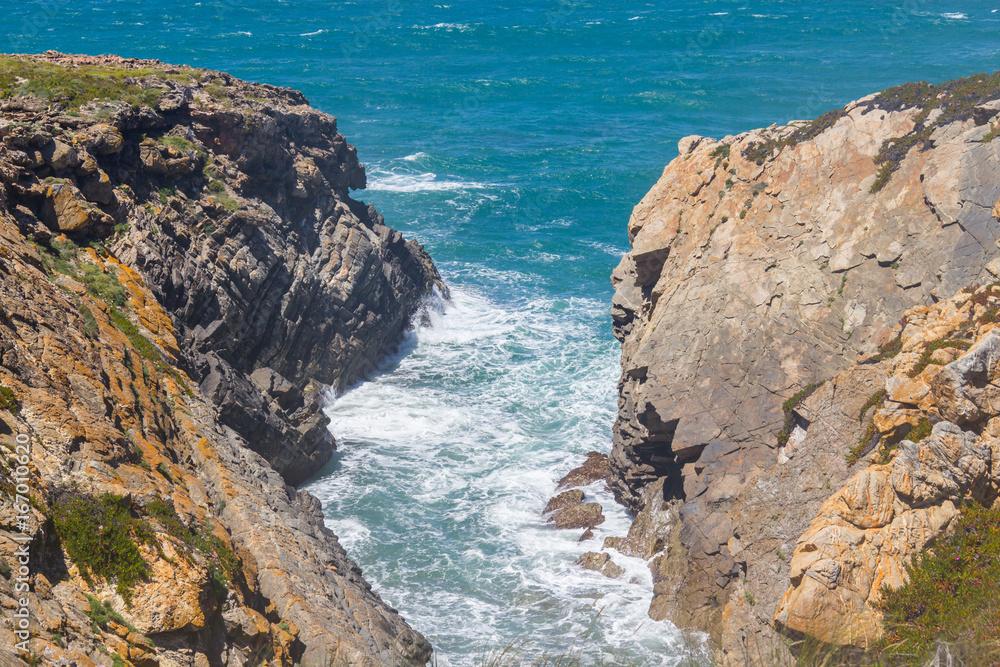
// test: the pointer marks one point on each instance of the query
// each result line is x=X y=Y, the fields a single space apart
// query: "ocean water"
x=513 y=140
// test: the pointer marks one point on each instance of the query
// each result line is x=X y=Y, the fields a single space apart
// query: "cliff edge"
x=762 y=266
x=182 y=272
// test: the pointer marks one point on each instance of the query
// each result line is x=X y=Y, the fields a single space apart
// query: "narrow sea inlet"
x=513 y=141
x=446 y=458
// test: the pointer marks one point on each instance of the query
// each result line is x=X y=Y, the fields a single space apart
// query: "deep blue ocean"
x=513 y=140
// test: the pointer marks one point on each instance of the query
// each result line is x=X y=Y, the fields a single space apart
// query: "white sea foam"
x=461 y=27
x=954 y=15
x=447 y=458
x=416 y=182
x=415 y=156
x=316 y=32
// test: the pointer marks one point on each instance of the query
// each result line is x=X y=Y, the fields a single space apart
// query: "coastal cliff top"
x=73 y=83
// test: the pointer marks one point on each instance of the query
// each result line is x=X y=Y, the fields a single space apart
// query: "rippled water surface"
x=513 y=139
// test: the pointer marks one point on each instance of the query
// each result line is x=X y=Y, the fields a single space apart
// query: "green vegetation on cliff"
x=74 y=87
x=102 y=535
x=953 y=596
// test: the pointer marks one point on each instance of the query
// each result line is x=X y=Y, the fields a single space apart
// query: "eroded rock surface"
x=762 y=265
x=179 y=277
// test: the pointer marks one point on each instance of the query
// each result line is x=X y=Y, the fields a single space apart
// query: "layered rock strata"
x=762 y=265
x=182 y=270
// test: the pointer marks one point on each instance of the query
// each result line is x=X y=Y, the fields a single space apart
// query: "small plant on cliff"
x=953 y=595
x=8 y=400
x=102 y=614
x=166 y=194
x=890 y=348
x=161 y=468
x=870 y=437
x=103 y=285
x=141 y=344
x=225 y=565
x=720 y=153
x=916 y=434
x=90 y=327
x=992 y=134
x=930 y=348
x=788 y=407
x=102 y=536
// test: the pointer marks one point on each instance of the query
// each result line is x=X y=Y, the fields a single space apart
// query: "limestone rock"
x=764 y=264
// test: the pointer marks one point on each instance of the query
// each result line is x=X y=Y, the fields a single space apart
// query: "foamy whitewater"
x=513 y=140
x=451 y=451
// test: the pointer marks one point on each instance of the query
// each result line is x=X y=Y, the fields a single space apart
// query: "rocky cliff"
x=182 y=272
x=761 y=267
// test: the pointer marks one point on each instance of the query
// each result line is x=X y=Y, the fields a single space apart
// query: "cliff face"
x=183 y=270
x=761 y=266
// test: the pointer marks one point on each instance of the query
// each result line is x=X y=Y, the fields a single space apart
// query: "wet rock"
x=564 y=500
x=583 y=515
x=594 y=469
x=600 y=562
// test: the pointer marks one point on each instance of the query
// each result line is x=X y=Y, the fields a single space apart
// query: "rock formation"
x=182 y=272
x=762 y=266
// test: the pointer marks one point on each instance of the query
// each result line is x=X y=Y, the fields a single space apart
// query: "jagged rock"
x=594 y=469
x=60 y=155
x=762 y=264
x=152 y=160
x=106 y=139
x=564 y=500
x=600 y=562
x=581 y=515
x=64 y=208
x=201 y=335
x=98 y=188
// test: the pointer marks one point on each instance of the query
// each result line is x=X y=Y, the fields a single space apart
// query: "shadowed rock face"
x=231 y=201
x=176 y=363
x=762 y=264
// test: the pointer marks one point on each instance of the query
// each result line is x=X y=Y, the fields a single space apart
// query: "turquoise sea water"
x=513 y=140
